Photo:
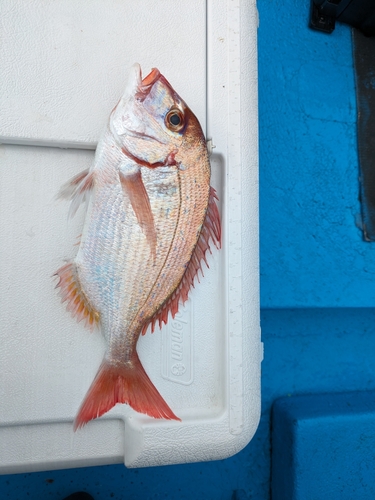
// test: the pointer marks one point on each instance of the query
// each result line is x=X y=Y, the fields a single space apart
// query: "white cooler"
x=63 y=68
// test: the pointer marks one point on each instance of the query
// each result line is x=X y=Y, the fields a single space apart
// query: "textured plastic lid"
x=64 y=66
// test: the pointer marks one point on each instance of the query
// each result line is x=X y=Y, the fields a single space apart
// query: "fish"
x=151 y=217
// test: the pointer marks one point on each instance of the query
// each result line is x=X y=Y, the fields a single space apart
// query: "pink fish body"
x=151 y=214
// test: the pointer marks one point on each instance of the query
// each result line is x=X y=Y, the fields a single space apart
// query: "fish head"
x=151 y=121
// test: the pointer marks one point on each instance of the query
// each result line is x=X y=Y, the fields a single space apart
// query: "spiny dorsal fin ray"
x=211 y=230
x=71 y=292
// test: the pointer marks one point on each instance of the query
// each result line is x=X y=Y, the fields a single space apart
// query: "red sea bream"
x=151 y=215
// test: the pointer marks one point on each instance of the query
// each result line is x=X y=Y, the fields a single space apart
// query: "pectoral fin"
x=134 y=189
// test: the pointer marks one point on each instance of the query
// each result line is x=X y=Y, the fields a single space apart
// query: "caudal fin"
x=125 y=383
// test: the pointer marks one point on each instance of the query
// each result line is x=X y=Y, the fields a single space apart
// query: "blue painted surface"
x=317 y=275
x=323 y=447
x=312 y=253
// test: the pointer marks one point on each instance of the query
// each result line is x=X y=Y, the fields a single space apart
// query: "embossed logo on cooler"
x=177 y=345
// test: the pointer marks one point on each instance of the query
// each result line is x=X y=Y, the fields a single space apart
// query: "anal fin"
x=71 y=292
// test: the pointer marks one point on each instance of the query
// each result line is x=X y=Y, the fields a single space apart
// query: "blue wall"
x=317 y=274
x=312 y=252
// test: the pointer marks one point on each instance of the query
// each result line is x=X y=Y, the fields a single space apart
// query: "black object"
x=364 y=65
x=79 y=495
x=357 y=13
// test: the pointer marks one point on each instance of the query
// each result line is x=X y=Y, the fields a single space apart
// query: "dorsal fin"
x=72 y=292
x=211 y=230
x=77 y=189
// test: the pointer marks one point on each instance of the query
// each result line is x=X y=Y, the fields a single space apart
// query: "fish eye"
x=174 y=120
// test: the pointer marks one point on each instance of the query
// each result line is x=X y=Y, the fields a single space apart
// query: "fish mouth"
x=146 y=84
x=151 y=78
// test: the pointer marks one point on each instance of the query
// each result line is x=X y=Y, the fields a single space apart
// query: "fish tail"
x=122 y=383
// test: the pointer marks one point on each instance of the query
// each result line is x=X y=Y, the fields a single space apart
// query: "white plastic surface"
x=63 y=67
